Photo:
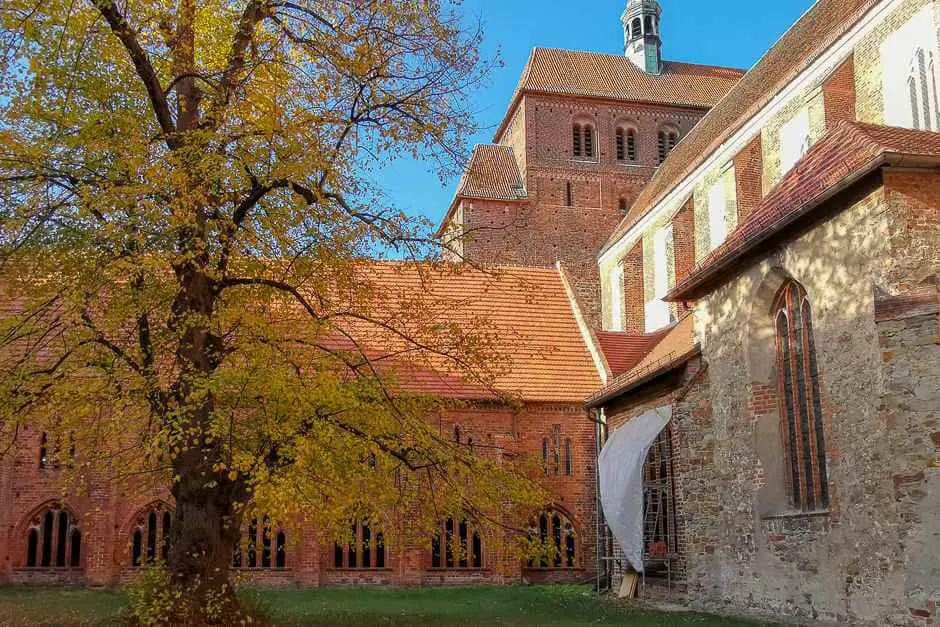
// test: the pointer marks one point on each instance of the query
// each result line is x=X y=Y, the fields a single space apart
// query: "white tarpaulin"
x=620 y=466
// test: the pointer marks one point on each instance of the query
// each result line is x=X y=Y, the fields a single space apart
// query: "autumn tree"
x=188 y=203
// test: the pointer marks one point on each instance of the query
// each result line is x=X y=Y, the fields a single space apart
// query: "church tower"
x=642 y=44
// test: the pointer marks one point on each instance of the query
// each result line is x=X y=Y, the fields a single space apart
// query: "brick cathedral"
x=758 y=252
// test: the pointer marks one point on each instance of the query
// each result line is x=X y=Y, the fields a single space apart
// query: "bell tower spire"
x=642 y=44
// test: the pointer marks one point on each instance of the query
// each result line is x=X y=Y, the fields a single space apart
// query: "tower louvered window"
x=667 y=141
x=621 y=145
x=800 y=402
x=631 y=145
x=588 y=141
x=576 y=141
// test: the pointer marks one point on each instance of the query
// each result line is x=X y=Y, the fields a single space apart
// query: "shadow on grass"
x=517 y=605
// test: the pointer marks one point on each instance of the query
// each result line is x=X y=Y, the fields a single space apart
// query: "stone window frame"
x=774 y=498
x=800 y=404
x=558 y=524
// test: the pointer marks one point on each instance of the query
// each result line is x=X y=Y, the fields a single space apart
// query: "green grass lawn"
x=533 y=605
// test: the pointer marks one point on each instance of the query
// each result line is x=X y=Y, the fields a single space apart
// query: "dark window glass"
x=568 y=462
x=337 y=555
x=75 y=560
x=620 y=145
x=61 y=535
x=266 y=543
x=569 y=195
x=43 y=441
x=588 y=141
x=136 y=548
x=449 y=542
x=366 y=547
x=436 y=551
x=32 y=545
x=576 y=141
x=379 y=550
x=352 y=554
x=151 y=536
x=167 y=535
x=47 y=522
x=252 y=543
x=281 y=550
x=631 y=145
x=237 y=553
x=477 y=550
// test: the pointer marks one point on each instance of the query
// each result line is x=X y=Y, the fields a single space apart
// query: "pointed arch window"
x=151 y=535
x=53 y=540
x=365 y=549
x=457 y=545
x=556 y=534
x=922 y=91
x=273 y=546
x=800 y=401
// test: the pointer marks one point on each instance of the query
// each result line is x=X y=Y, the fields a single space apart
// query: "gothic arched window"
x=800 y=402
x=53 y=540
x=637 y=28
x=273 y=546
x=365 y=549
x=457 y=545
x=922 y=91
x=569 y=463
x=556 y=534
x=151 y=536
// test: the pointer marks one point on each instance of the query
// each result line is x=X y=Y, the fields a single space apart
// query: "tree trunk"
x=205 y=531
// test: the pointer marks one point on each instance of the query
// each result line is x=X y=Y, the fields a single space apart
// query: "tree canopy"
x=188 y=210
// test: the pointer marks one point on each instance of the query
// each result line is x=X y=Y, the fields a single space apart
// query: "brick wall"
x=839 y=94
x=748 y=170
x=544 y=229
x=633 y=290
x=107 y=513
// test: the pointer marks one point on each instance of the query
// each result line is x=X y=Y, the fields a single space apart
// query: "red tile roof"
x=573 y=73
x=843 y=155
x=624 y=351
x=676 y=346
x=524 y=312
x=492 y=173
x=820 y=26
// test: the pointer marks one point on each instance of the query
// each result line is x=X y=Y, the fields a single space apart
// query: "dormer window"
x=582 y=137
x=668 y=138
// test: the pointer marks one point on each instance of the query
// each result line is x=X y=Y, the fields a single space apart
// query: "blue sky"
x=733 y=33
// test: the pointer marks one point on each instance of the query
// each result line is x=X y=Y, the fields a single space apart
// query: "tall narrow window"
x=588 y=141
x=620 y=145
x=569 y=464
x=800 y=401
x=667 y=140
x=151 y=535
x=545 y=449
x=366 y=550
x=576 y=149
x=915 y=110
x=924 y=88
x=622 y=205
x=569 y=195
x=460 y=546
x=556 y=534
x=631 y=146
x=53 y=540
x=556 y=449
x=43 y=453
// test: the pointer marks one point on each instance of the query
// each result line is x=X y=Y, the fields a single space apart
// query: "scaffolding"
x=660 y=554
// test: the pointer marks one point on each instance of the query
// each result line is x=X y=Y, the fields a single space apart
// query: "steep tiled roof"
x=624 y=351
x=676 y=346
x=525 y=312
x=844 y=154
x=820 y=26
x=492 y=173
x=551 y=70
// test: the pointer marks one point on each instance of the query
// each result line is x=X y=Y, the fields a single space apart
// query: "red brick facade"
x=748 y=171
x=543 y=228
x=110 y=511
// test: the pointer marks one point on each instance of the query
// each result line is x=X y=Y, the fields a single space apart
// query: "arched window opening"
x=555 y=532
x=620 y=145
x=667 y=140
x=588 y=141
x=53 y=540
x=364 y=551
x=569 y=463
x=582 y=140
x=556 y=449
x=576 y=148
x=659 y=516
x=637 y=28
x=800 y=401
x=457 y=546
x=622 y=205
x=43 y=451
x=151 y=535
x=262 y=534
x=648 y=25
